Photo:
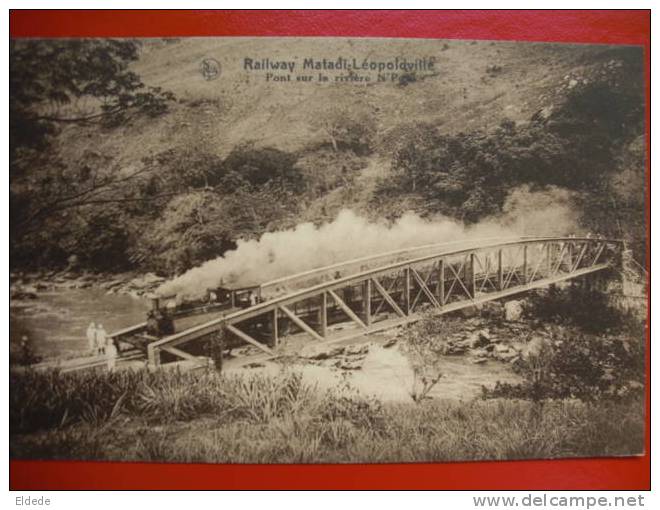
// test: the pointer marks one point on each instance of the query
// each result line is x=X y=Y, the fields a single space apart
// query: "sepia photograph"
x=278 y=250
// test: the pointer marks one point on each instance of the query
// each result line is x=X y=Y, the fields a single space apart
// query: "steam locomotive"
x=172 y=314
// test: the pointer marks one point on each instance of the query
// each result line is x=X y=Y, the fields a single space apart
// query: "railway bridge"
x=393 y=294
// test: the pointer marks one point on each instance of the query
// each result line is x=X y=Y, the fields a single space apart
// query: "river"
x=56 y=322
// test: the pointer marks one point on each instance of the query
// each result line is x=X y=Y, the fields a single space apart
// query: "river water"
x=386 y=373
x=56 y=322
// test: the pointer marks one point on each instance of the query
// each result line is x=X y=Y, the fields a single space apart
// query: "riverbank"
x=29 y=285
x=54 y=311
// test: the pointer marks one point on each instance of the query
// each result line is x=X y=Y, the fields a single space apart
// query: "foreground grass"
x=204 y=417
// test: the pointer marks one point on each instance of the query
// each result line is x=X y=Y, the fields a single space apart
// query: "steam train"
x=172 y=314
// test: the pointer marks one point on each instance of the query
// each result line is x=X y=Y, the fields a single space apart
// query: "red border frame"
x=613 y=27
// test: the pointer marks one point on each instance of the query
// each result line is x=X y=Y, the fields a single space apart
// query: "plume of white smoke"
x=350 y=236
x=538 y=213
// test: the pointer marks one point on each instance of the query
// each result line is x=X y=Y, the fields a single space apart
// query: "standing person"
x=27 y=356
x=91 y=338
x=111 y=355
x=25 y=344
x=101 y=339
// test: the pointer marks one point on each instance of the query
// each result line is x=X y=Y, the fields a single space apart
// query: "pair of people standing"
x=100 y=343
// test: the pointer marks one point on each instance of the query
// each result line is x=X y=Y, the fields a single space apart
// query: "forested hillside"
x=125 y=157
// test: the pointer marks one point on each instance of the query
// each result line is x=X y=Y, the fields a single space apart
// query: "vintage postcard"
x=326 y=250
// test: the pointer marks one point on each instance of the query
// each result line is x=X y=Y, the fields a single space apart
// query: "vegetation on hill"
x=54 y=201
x=469 y=175
x=123 y=174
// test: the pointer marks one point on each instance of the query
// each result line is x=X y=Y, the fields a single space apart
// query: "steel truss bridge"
x=398 y=293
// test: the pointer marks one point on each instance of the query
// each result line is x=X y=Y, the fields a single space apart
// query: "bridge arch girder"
x=395 y=294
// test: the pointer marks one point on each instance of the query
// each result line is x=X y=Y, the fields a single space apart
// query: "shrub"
x=581 y=366
x=45 y=400
x=423 y=343
x=588 y=310
x=261 y=398
x=48 y=400
x=23 y=354
x=351 y=129
x=203 y=417
x=362 y=412
x=324 y=169
x=258 y=166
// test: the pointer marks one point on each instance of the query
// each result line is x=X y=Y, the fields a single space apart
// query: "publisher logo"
x=210 y=69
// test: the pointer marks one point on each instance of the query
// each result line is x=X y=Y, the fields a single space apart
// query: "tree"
x=199 y=225
x=184 y=167
x=194 y=227
x=414 y=155
x=353 y=129
x=256 y=167
x=424 y=343
x=58 y=83
x=55 y=82
x=61 y=82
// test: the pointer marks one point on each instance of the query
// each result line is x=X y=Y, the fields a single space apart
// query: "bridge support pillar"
x=440 y=289
x=323 y=319
x=366 y=301
x=406 y=290
x=153 y=356
x=471 y=284
x=274 y=329
x=217 y=349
